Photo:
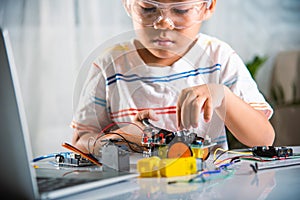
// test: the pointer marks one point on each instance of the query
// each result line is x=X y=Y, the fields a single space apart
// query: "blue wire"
x=44 y=157
x=217 y=171
x=64 y=154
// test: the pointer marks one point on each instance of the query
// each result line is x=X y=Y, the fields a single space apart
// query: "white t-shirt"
x=120 y=84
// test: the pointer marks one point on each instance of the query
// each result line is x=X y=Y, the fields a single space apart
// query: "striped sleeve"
x=239 y=80
x=263 y=106
x=90 y=114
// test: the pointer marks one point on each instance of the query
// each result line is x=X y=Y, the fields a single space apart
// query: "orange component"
x=179 y=150
x=85 y=155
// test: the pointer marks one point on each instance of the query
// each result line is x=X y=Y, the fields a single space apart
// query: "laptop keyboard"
x=50 y=184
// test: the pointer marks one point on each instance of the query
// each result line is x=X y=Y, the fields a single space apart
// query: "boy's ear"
x=210 y=10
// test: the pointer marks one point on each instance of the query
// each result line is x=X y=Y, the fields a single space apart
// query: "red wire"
x=116 y=123
x=102 y=132
x=249 y=157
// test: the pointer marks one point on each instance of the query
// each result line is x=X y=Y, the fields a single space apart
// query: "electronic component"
x=270 y=151
x=284 y=152
x=200 y=147
x=170 y=167
x=148 y=167
x=114 y=157
x=179 y=150
x=82 y=154
x=167 y=144
x=276 y=164
x=157 y=135
x=167 y=167
x=202 y=153
x=72 y=159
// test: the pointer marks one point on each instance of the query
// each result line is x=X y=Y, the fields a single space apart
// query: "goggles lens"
x=182 y=14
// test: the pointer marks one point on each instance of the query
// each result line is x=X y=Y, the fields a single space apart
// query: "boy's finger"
x=183 y=117
x=186 y=111
x=152 y=115
x=207 y=110
x=178 y=115
x=146 y=114
x=195 y=111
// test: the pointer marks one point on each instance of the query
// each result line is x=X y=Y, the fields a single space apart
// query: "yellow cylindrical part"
x=202 y=153
x=168 y=167
x=177 y=166
x=148 y=167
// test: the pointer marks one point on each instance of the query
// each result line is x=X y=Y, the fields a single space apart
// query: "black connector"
x=285 y=152
x=270 y=151
x=72 y=159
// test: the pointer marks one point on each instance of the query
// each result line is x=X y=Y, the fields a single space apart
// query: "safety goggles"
x=179 y=15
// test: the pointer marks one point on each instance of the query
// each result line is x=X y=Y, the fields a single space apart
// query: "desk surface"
x=276 y=183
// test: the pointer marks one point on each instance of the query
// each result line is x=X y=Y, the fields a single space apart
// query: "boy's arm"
x=133 y=132
x=249 y=126
x=89 y=143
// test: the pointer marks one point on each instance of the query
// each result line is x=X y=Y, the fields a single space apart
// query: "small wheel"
x=179 y=150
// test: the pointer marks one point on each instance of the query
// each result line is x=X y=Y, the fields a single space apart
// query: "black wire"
x=128 y=142
x=220 y=155
x=254 y=167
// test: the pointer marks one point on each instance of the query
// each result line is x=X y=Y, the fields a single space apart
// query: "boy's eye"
x=180 y=11
x=149 y=9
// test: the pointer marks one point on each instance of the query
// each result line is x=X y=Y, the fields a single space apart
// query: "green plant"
x=254 y=64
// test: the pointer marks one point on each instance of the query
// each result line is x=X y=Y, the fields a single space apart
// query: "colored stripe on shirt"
x=169 y=78
x=99 y=101
x=230 y=82
x=134 y=111
x=83 y=128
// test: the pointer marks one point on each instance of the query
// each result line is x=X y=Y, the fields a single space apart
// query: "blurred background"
x=51 y=39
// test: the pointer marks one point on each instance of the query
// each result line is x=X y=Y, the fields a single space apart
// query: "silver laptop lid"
x=16 y=175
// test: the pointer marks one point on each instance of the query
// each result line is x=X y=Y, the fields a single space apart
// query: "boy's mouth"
x=163 y=42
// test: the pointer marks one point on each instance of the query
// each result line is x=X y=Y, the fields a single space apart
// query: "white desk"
x=277 y=183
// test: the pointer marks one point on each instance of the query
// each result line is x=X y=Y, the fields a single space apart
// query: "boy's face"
x=166 y=43
x=167 y=28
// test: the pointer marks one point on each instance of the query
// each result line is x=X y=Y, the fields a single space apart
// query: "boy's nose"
x=163 y=23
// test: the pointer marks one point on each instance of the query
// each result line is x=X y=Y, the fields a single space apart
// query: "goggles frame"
x=162 y=7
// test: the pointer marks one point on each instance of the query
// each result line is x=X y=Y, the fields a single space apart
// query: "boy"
x=176 y=77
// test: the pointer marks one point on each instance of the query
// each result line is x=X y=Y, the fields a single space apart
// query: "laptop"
x=19 y=179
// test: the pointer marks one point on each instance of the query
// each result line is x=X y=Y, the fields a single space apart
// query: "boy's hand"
x=150 y=114
x=195 y=100
x=132 y=132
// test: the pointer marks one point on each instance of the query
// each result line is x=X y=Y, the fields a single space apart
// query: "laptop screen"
x=18 y=178
x=15 y=171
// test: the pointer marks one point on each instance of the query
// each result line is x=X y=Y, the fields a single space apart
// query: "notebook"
x=17 y=175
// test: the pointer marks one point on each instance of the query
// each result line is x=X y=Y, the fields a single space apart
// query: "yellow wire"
x=233 y=152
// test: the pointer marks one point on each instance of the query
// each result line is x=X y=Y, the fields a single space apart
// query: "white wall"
x=52 y=37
